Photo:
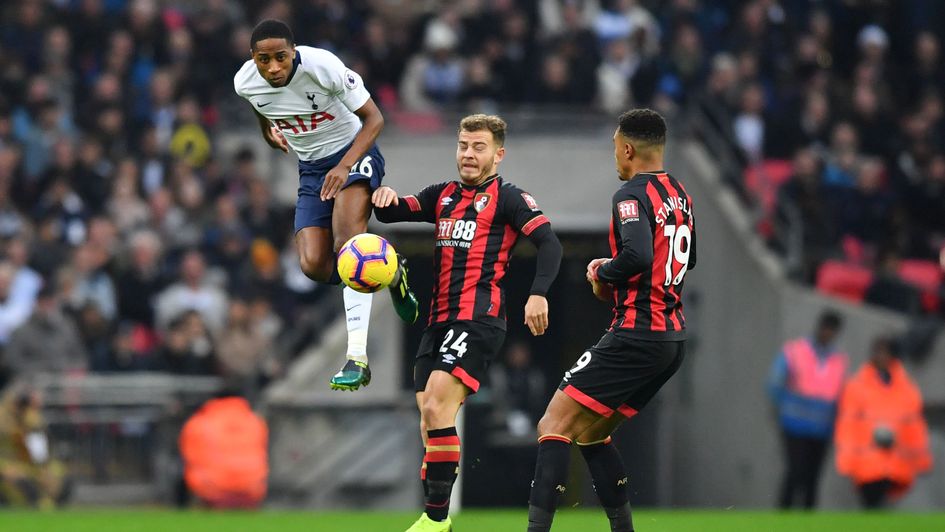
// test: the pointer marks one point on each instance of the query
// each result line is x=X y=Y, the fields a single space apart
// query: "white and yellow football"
x=367 y=263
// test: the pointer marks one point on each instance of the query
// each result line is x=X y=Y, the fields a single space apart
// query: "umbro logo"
x=446 y=201
x=448 y=358
x=261 y=105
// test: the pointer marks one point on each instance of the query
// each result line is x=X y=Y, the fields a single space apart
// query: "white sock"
x=358 y=314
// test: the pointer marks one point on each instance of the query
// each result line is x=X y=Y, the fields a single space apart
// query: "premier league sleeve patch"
x=351 y=79
x=629 y=211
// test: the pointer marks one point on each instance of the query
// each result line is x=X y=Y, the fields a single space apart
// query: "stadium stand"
x=130 y=173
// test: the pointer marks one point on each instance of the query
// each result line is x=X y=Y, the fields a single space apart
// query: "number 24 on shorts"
x=458 y=347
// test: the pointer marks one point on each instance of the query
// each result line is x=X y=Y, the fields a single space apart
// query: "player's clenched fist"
x=384 y=197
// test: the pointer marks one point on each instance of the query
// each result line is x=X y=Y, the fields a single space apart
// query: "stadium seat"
x=763 y=181
x=844 y=280
x=925 y=275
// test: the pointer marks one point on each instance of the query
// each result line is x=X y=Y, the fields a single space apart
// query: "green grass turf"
x=471 y=521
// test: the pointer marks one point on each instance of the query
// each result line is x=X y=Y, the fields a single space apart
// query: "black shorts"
x=464 y=349
x=622 y=375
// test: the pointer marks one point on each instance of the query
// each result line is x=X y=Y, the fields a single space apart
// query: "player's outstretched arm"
x=390 y=208
x=271 y=134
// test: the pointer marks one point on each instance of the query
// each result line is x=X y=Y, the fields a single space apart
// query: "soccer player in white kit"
x=307 y=100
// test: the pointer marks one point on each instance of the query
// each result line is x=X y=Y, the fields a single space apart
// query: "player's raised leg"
x=349 y=217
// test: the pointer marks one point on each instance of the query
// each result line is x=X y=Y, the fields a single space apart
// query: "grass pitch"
x=468 y=521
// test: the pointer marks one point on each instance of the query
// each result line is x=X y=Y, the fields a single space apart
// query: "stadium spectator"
x=245 y=346
x=882 y=439
x=192 y=292
x=889 y=290
x=805 y=384
x=48 y=342
x=125 y=206
x=188 y=347
x=29 y=474
x=749 y=125
x=519 y=390
x=803 y=208
x=96 y=334
x=91 y=283
x=16 y=304
x=224 y=448
x=261 y=215
x=436 y=77
x=26 y=281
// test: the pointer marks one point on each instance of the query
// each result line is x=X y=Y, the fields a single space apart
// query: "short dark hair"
x=645 y=125
x=271 y=29
x=481 y=122
x=830 y=320
x=886 y=343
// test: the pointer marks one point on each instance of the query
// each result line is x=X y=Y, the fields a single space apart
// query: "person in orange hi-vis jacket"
x=881 y=436
x=224 y=448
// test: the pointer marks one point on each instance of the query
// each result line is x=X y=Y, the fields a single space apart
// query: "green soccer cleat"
x=405 y=303
x=352 y=376
x=425 y=524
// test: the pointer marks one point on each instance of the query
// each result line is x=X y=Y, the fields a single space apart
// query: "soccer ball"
x=367 y=263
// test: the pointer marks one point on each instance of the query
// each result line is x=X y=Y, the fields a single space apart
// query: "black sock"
x=551 y=476
x=610 y=482
x=442 y=461
x=423 y=480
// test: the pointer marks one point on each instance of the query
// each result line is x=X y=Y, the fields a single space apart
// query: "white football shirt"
x=315 y=110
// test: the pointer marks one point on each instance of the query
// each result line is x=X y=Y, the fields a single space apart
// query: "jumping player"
x=653 y=245
x=306 y=99
x=477 y=222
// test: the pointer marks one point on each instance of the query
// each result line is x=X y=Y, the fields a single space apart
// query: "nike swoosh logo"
x=348 y=309
x=262 y=104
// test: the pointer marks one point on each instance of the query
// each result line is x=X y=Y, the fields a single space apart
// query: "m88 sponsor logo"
x=455 y=233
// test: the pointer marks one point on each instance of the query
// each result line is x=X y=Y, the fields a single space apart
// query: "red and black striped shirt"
x=476 y=228
x=653 y=244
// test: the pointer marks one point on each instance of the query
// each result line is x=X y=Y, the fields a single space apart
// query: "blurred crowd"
x=127 y=243
x=129 y=240
x=835 y=111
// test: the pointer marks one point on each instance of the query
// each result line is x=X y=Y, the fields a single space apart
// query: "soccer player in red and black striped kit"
x=653 y=245
x=477 y=222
